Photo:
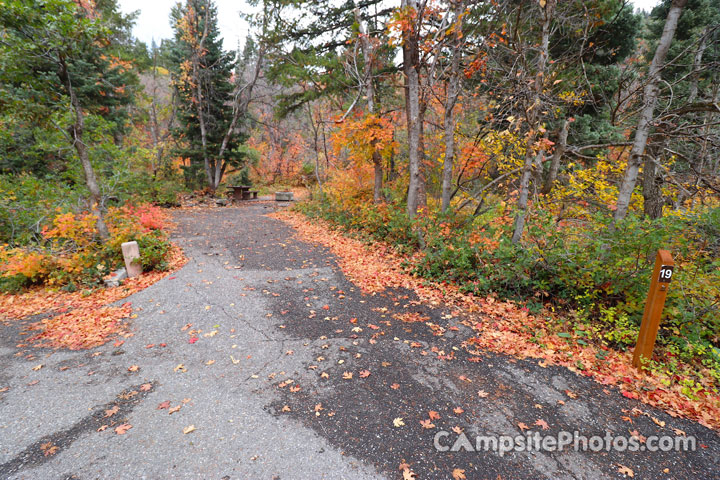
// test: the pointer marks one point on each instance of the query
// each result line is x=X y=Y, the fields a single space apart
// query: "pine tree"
x=207 y=131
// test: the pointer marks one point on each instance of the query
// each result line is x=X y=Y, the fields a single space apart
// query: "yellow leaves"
x=598 y=181
x=78 y=228
x=189 y=429
x=398 y=422
x=572 y=97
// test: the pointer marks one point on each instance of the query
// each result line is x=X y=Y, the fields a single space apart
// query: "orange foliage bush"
x=351 y=187
x=72 y=252
x=79 y=229
x=32 y=265
x=84 y=320
x=362 y=136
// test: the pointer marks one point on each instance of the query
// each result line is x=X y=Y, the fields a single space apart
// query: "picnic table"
x=243 y=192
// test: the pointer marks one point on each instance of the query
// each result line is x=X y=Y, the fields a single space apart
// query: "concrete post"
x=131 y=253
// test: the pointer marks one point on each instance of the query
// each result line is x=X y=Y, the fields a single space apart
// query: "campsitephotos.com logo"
x=534 y=441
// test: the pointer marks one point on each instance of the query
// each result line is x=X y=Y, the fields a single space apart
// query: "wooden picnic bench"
x=243 y=192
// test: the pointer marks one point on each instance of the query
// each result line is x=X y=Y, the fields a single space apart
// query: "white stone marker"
x=131 y=253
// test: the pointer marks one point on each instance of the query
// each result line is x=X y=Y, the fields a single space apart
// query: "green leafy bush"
x=601 y=274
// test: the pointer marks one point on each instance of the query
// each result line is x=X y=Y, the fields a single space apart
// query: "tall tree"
x=532 y=112
x=59 y=57
x=455 y=45
x=650 y=97
x=369 y=47
x=684 y=137
x=208 y=99
x=411 y=18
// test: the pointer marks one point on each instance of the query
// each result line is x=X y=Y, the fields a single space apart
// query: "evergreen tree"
x=207 y=132
x=62 y=72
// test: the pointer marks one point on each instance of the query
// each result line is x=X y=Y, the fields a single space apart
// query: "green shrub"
x=601 y=274
x=27 y=203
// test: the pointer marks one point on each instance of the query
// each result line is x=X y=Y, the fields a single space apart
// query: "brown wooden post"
x=662 y=274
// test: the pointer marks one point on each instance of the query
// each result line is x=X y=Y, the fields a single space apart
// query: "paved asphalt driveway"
x=267 y=387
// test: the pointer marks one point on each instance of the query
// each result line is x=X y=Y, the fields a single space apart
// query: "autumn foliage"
x=508 y=327
x=71 y=255
x=79 y=320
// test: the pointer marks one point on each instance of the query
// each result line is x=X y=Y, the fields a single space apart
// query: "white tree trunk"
x=412 y=84
x=453 y=91
x=650 y=95
x=77 y=131
x=368 y=55
x=560 y=147
x=547 y=8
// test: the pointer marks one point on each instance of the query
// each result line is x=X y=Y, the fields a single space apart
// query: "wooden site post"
x=661 y=277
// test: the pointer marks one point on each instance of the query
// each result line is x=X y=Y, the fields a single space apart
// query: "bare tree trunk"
x=197 y=54
x=650 y=95
x=560 y=147
x=412 y=83
x=521 y=215
x=77 y=135
x=422 y=166
x=154 y=126
x=453 y=90
x=697 y=62
x=652 y=192
x=157 y=138
x=240 y=107
x=538 y=170
x=368 y=55
x=316 y=147
x=203 y=131
x=522 y=202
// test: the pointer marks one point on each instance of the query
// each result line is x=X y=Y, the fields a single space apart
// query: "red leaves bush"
x=72 y=254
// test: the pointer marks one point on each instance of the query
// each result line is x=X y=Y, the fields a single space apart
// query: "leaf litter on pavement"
x=85 y=320
x=503 y=326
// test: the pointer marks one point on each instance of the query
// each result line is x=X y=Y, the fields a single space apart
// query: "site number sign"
x=666 y=273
